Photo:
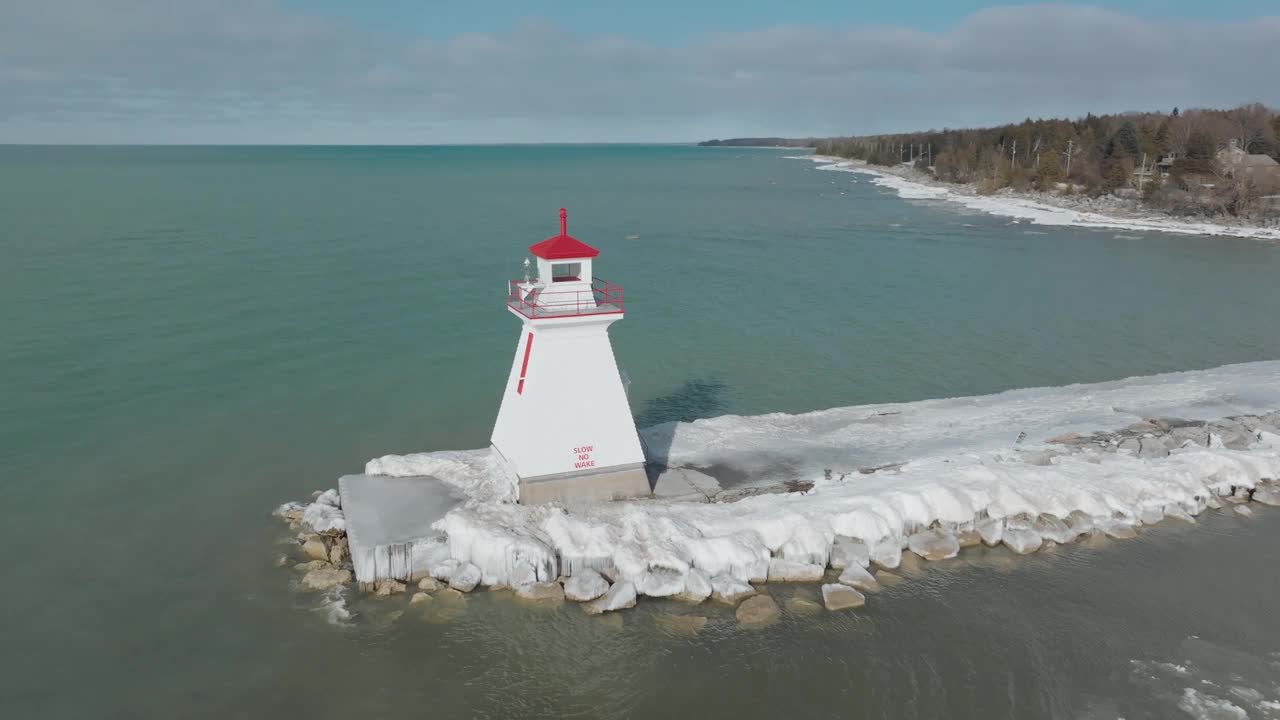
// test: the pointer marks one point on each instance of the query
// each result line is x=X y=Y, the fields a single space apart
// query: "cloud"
x=252 y=71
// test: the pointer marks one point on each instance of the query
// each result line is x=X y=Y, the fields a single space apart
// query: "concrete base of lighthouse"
x=614 y=483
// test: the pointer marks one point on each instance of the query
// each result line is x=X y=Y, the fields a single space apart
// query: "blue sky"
x=399 y=71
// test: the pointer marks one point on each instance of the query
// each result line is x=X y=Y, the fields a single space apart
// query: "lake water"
x=194 y=335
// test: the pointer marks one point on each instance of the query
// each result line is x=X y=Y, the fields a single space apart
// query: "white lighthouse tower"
x=565 y=429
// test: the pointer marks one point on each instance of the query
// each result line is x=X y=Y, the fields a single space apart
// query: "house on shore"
x=1262 y=170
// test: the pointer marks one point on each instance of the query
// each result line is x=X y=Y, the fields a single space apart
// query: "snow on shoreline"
x=960 y=472
x=1037 y=213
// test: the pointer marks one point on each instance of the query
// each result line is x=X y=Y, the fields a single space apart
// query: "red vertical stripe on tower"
x=524 y=366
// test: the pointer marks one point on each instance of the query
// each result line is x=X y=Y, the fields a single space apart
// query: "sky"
x=428 y=72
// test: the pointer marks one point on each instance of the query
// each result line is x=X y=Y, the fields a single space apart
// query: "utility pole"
x=1013 y=160
x=1069 y=144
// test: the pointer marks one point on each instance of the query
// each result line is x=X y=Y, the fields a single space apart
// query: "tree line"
x=1168 y=160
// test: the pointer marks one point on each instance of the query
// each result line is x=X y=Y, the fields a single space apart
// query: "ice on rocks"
x=1022 y=541
x=847 y=552
x=697 y=587
x=887 y=553
x=542 y=593
x=619 y=597
x=730 y=590
x=837 y=596
x=325 y=578
x=444 y=569
x=1267 y=494
x=934 y=545
x=941 y=464
x=324 y=518
x=858 y=577
x=789 y=571
x=585 y=585
x=465 y=578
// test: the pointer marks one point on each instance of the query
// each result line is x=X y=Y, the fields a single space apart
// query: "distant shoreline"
x=1042 y=208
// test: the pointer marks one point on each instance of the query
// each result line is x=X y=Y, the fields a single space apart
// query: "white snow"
x=960 y=471
x=1039 y=213
x=478 y=473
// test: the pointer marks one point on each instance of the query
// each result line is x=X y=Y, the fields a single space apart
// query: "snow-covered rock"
x=860 y=578
x=542 y=593
x=697 y=587
x=324 y=518
x=847 y=551
x=619 y=597
x=991 y=530
x=758 y=610
x=1267 y=494
x=658 y=581
x=444 y=569
x=585 y=585
x=1022 y=541
x=887 y=553
x=933 y=545
x=465 y=578
x=730 y=590
x=781 y=570
x=837 y=596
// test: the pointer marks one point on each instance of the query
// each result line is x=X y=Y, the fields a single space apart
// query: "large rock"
x=859 y=578
x=419 y=598
x=968 y=538
x=465 y=578
x=991 y=530
x=338 y=552
x=758 y=611
x=1197 y=434
x=585 y=585
x=887 y=579
x=729 y=590
x=388 y=587
x=797 y=605
x=837 y=596
x=541 y=593
x=1267 y=494
x=1152 y=448
x=325 y=578
x=444 y=569
x=315 y=549
x=619 y=597
x=1022 y=541
x=697 y=587
x=429 y=584
x=790 y=571
x=1053 y=528
x=311 y=565
x=1233 y=435
x=660 y=581
x=887 y=553
x=847 y=551
x=934 y=545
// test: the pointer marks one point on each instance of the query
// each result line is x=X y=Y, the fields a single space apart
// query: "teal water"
x=194 y=335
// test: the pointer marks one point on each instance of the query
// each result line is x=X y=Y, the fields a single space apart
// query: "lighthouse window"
x=563 y=272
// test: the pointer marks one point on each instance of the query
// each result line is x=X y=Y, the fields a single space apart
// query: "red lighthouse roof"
x=563 y=247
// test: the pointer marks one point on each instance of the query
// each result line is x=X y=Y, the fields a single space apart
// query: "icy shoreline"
x=1023 y=468
x=1037 y=210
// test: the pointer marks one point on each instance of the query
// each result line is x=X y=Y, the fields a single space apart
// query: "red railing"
x=533 y=301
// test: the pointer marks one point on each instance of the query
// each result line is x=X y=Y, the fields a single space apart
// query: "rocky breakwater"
x=1213 y=460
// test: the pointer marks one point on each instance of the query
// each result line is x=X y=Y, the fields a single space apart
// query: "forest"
x=1192 y=162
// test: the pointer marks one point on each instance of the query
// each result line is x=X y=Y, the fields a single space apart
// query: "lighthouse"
x=565 y=428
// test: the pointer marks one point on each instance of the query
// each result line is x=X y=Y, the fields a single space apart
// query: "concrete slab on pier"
x=389 y=524
x=685 y=484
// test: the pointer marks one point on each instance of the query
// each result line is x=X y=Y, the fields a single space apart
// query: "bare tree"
x=1251 y=126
